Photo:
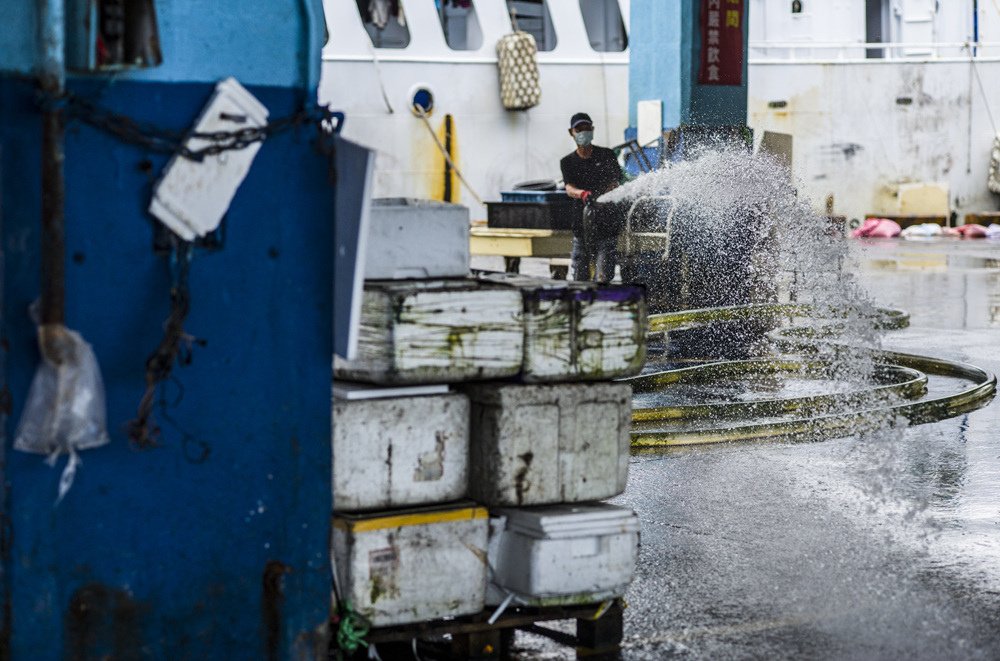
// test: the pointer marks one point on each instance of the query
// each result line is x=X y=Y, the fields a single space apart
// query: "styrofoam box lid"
x=350 y=391
x=571 y=520
x=412 y=202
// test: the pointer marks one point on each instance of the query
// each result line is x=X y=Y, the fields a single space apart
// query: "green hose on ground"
x=900 y=380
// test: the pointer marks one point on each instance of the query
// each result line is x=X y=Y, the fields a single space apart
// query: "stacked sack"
x=476 y=430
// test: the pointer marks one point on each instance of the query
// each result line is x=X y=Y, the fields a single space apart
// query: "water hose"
x=900 y=380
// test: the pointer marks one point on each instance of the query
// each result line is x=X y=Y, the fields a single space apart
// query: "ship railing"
x=817 y=52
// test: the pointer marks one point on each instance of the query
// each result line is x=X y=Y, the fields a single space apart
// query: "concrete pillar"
x=666 y=60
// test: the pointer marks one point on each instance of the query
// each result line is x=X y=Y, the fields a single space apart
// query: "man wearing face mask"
x=589 y=172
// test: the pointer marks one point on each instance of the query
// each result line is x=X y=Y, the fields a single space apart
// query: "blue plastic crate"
x=534 y=196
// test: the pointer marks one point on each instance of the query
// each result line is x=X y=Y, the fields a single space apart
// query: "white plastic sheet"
x=65 y=411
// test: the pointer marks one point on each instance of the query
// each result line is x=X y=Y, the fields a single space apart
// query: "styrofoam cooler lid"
x=571 y=520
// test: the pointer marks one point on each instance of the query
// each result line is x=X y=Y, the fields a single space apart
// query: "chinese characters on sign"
x=721 y=42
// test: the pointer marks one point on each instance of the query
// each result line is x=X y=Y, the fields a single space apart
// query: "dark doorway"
x=875 y=25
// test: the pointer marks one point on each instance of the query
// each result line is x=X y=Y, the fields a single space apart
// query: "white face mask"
x=584 y=138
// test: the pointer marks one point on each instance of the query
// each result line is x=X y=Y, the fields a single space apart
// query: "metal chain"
x=159 y=139
x=175 y=345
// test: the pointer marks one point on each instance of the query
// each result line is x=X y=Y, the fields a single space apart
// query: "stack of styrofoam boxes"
x=545 y=450
x=406 y=546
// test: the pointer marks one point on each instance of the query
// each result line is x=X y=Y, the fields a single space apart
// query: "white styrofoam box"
x=540 y=444
x=400 y=451
x=579 y=330
x=192 y=197
x=412 y=565
x=436 y=331
x=560 y=554
x=412 y=238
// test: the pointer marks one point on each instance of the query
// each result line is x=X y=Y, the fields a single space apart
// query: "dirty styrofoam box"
x=559 y=554
x=436 y=331
x=399 y=451
x=414 y=238
x=403 y=566
x=579 y=330
x=541 y=444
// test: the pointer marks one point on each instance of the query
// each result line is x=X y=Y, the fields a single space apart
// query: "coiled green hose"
x=900 y=381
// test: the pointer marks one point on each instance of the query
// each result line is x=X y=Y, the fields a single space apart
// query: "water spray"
x=718 y=239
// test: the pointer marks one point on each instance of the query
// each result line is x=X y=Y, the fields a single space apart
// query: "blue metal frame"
x=216 y=543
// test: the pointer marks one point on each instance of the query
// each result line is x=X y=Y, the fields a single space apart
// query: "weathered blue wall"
x=214 y=544
x=665 y=43
x=260 y=43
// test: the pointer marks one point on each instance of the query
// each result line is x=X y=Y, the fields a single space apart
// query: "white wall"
x=820 y=21
x=853 y=139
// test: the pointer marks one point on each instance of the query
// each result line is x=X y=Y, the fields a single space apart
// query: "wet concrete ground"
x=885 y=546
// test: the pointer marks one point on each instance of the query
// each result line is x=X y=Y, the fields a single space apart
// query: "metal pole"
x=975 y=27
x=52 y=77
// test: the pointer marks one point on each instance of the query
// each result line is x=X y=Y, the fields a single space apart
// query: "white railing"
x=766 y=52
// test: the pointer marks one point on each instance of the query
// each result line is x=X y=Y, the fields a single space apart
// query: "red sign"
x=721 y=42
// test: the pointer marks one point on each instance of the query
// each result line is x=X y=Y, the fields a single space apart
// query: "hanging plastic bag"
x=65 y=411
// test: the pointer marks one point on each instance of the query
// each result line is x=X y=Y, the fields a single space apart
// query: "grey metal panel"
x=351 y=211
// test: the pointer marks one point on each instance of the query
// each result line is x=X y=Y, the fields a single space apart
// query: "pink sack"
x=877 y=228
x=971 y=231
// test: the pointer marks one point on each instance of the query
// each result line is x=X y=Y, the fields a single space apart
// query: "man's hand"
x=586 y=195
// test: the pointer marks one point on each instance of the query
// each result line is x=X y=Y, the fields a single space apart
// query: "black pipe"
x=448 y=194
x=51 y=77
x=53 y=235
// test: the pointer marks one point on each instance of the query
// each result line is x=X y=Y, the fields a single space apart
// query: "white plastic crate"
x=399 y=451
x=541 y=444
x=412 y=238
x=436 y=331
x=561 y=554
x=414 y=565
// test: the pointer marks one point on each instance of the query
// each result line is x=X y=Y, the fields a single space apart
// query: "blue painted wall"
x=260 y=43
x=665 y=43
x=213 y=545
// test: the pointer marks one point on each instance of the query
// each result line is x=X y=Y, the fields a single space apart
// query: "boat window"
x=532 y=16
x=385 y=23
x=460 y=24
x=605 y=27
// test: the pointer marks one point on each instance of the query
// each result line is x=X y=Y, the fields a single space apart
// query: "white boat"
x=892 y=104
x=448 y=49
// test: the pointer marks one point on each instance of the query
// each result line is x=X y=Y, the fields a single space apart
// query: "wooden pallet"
x=599 y=629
